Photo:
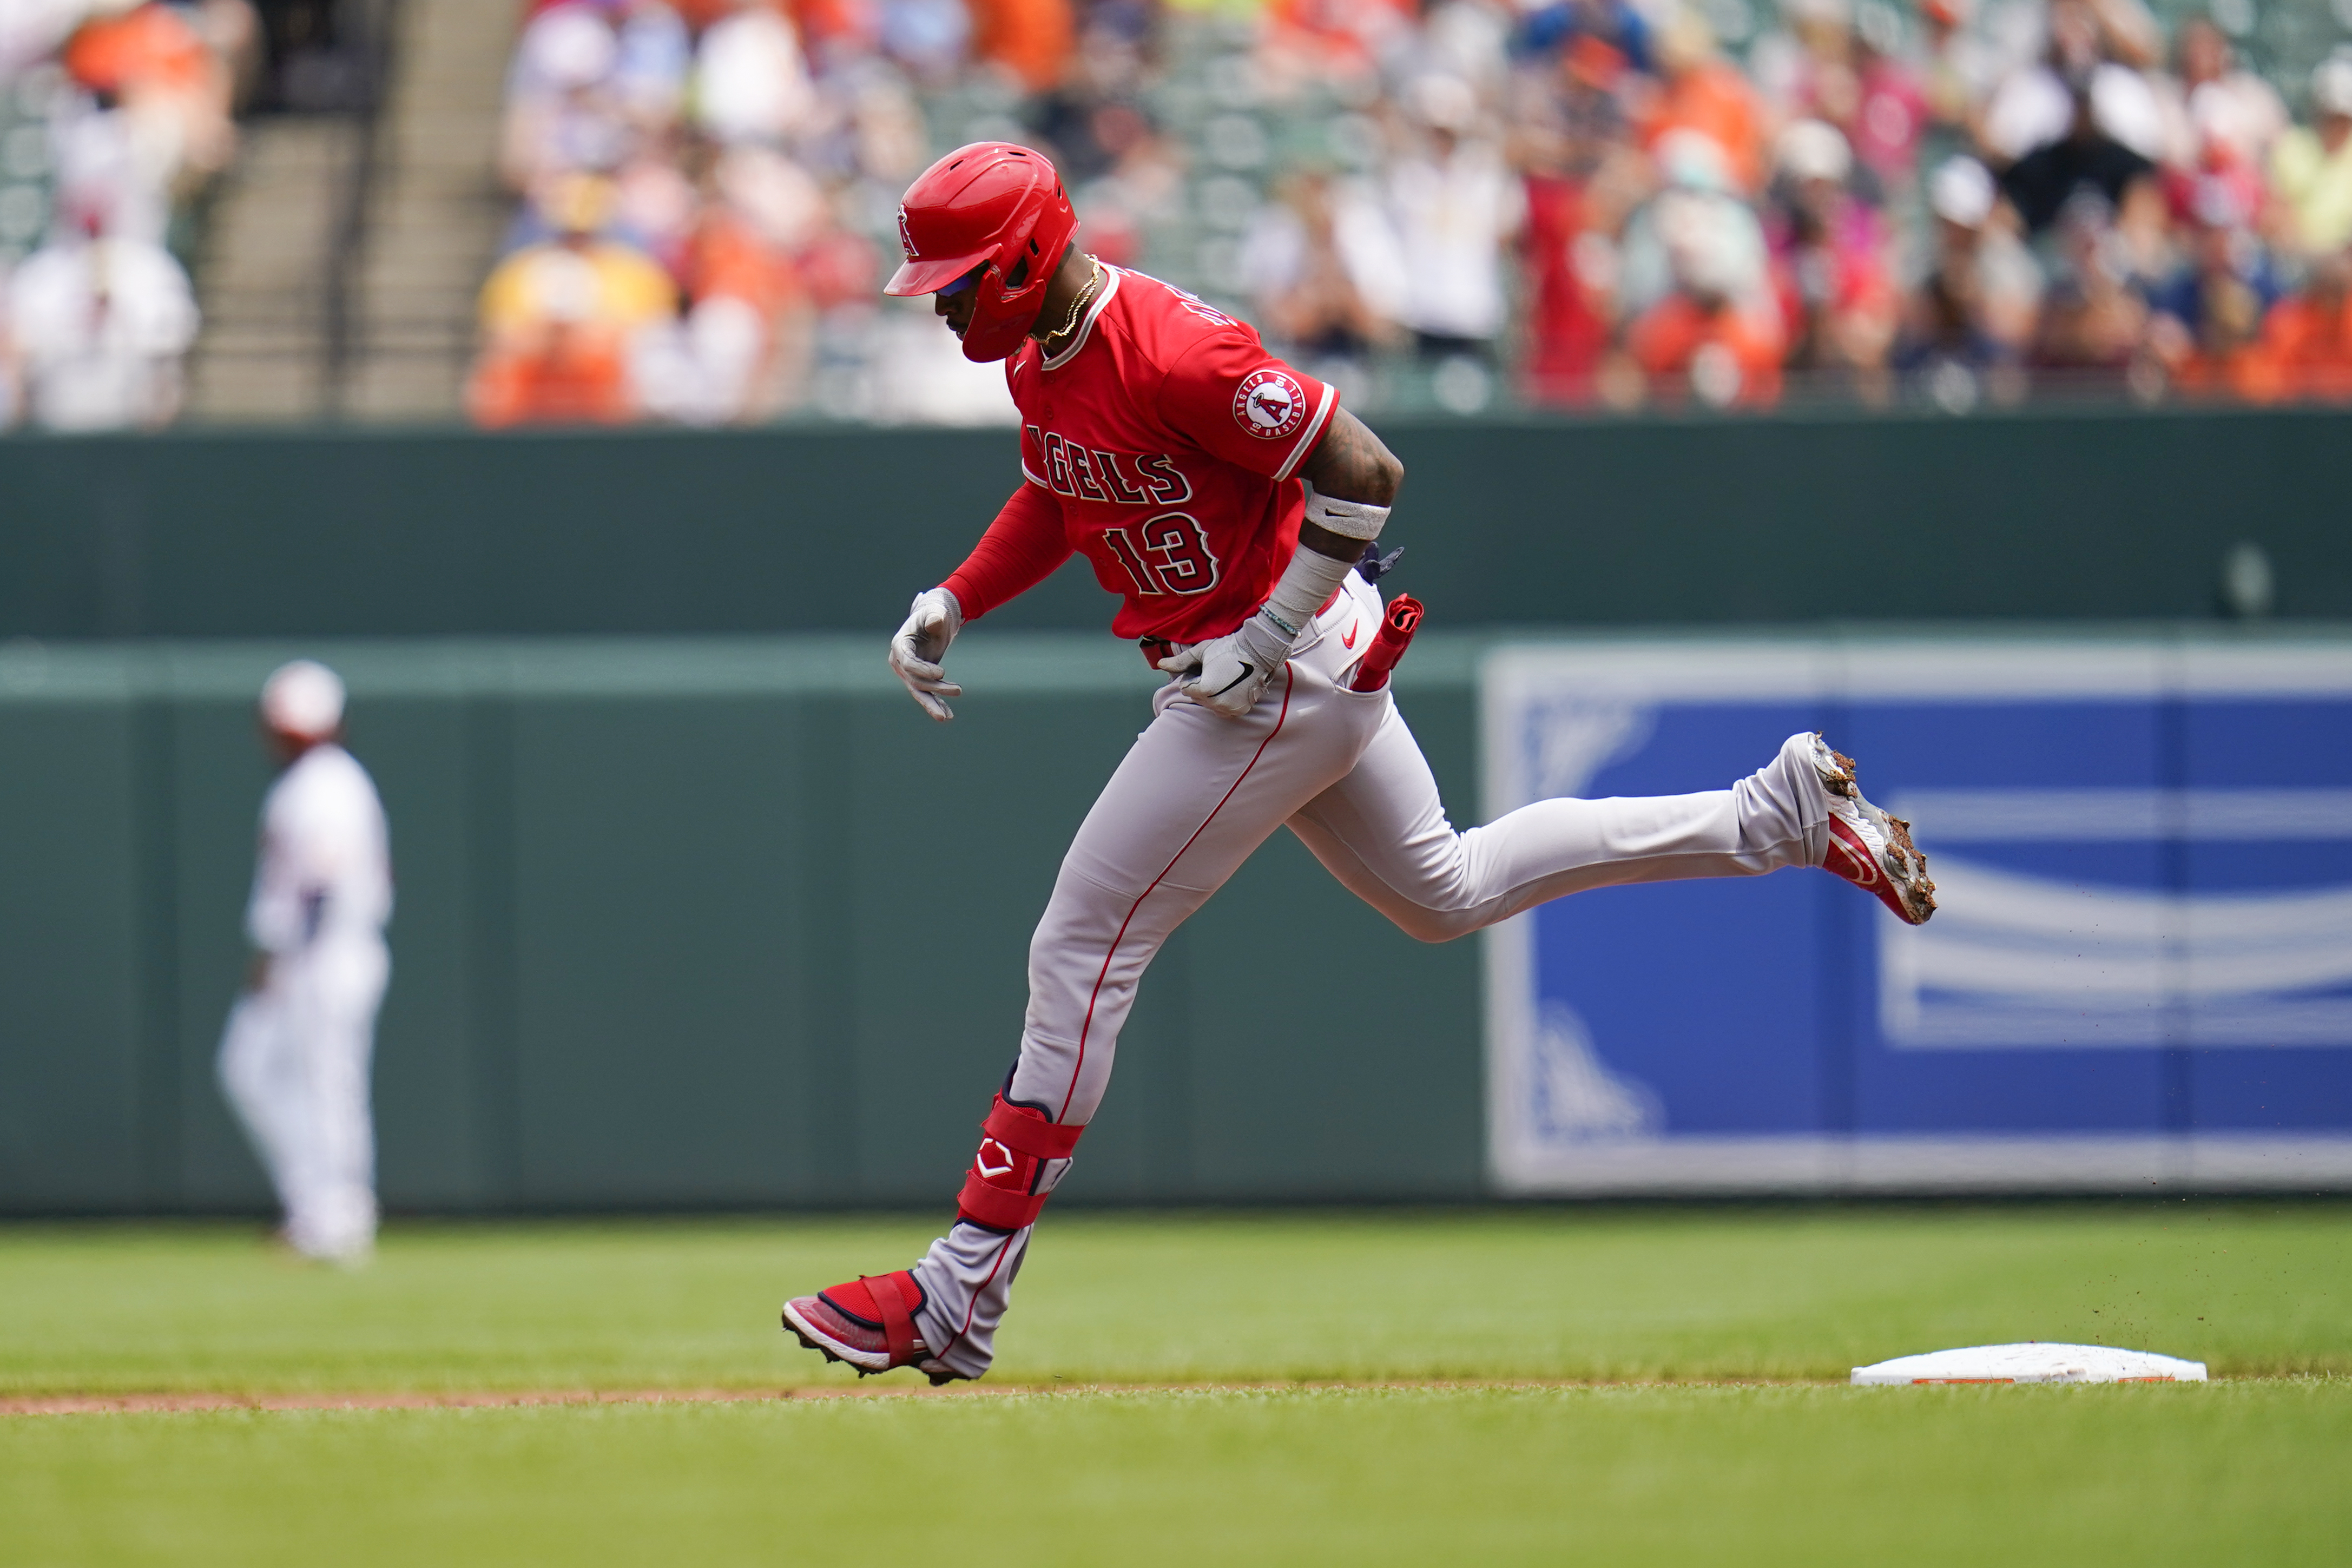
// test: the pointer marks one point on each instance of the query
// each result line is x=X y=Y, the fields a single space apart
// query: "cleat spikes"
x=1869 y=847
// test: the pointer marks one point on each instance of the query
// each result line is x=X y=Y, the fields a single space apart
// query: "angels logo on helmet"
x=1270 y=404
x=907 y=237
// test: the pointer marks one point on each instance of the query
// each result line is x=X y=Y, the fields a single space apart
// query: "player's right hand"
x=1228 y=673
x=921 y=644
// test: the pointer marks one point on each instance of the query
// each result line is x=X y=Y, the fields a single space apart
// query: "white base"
x=2032 y=1362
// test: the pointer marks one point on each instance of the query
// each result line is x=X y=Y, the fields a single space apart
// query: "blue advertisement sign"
x=2140 y=972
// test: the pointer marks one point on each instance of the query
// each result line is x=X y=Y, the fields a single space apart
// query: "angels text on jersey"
x=1167 y=554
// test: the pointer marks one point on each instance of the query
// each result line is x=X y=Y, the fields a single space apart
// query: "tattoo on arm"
x=1349 y=463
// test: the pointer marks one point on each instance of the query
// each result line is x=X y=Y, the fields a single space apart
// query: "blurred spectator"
x=1695 y=285
x=1030 y=40
x=1890 y=113
x=2093 y=319
x=1566 y=28
x=1962 y=65
x=1830 y=259
x=1308 y=39
x=1455 y=205
x=2217 y=113
x=1972 y=316
x=747 y=298
x=2306 y=346
x=99 y=324
x=1578 y=181
x=562 y=319
x=114 y=122
x=929 y=38
x=560 y=117
x=1325 y=272
x=650 y=63
x=1700 y=91
x=2092 y=63
x=1694 y=195
x=2208 y=315
x=2313 y=167
x=108 y=170
x=167 y=80
x=2086 y=159
x=1844 y=72
x=754 y=82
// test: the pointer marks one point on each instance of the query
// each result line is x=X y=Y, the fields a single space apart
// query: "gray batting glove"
x=921 y=644
x=1230 y=672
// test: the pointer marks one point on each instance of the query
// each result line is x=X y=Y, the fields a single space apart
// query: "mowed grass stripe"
x=1550 y=1295
x=2232 y=1472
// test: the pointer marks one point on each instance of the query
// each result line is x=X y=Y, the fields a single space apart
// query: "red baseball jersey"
x=1167 y=437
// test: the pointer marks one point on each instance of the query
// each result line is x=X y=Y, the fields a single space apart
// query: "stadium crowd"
x=1610 y=204
x=1576 y=203
x=113 y=116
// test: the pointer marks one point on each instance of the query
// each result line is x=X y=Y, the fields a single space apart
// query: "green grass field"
x=1627 y=1385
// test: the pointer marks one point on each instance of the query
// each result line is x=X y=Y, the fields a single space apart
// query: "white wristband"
x=1305 y=587
x=1348 y=518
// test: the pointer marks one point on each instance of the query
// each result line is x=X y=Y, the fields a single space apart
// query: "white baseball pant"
x=1197 y=794
x=294 y=1063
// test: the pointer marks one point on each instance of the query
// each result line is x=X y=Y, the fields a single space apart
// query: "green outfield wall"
x=2051 y=516
x=690 y=923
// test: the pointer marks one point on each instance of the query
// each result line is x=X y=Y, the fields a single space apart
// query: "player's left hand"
x=1229 y=672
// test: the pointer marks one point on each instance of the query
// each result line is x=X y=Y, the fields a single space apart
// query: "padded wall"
x=2097 y=515
x=687 y=924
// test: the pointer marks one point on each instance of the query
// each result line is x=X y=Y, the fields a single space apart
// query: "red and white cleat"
x=1868 y=847
x=869 y=1324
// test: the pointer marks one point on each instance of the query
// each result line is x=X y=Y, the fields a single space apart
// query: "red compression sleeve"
x=1019 y=550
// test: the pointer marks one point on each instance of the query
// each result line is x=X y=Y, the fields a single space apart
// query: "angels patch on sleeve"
x=1270 y=404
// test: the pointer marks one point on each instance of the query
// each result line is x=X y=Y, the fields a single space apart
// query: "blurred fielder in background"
x=294 y=1058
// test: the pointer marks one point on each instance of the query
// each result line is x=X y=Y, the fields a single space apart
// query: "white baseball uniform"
x=1161 y=445
x=295 y=1056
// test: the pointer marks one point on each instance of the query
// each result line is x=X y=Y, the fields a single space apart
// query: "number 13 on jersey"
x=1173 y=556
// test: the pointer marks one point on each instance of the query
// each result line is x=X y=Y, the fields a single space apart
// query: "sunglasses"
x=969 y=280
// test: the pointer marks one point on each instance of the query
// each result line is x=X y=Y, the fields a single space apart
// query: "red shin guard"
x=1015 y=1144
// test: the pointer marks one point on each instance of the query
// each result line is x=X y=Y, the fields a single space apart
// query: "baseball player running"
x=1227 y=499
x=294 y=1057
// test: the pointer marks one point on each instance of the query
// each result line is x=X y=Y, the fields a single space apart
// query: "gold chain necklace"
x=1079 y=304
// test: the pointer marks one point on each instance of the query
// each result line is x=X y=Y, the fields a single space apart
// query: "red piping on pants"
x=973 y=1305
x=1083 y=1029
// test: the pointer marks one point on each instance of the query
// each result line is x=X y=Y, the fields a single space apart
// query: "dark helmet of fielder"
x=995 y=206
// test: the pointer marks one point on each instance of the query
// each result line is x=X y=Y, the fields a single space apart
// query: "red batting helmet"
x=992 y=203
